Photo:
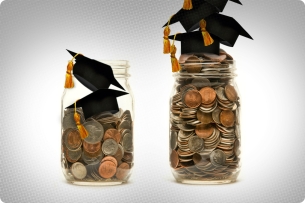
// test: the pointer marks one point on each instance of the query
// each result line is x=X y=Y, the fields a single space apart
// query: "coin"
x=68 y=119
x=91 y=148
x=192 y=64
x=119 y=154
x=78 y=170
x=192 y=98
x=230 y=92
x=127 y=142
x=125 y=125
x=204 y=118
x=204 y=131
x=110 y=158
x=95 y=131
x=201 y=82
x=73 y=156
x=196 y=144
x=110 y=147
x=208 y=95
x=128 y=157
x=122 y=171
x=92 y=160
x=107 y=169
x=173 y=140
x=72 y=139
x=218 y=157
x=215 y=115
x=113 y=134
x=220 y=92
x=174 y=160
x=227 y=118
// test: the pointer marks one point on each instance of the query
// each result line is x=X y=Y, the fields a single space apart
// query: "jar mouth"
x=207 y=68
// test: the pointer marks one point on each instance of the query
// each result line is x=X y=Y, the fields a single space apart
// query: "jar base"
x=96 y=183
x=205 y=182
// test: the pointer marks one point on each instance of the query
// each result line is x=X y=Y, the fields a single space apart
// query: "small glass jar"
x=204 y=132
x=108 y=160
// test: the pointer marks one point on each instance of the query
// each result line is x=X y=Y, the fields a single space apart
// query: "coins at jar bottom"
x=109 y=164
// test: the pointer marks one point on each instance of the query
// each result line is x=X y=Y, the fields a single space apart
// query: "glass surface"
x=89 y=161
x=204 y=130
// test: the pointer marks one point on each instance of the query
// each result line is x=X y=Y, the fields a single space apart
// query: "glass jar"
x=106 y=157
x=204 y=130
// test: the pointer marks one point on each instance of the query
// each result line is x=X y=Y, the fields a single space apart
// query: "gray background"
x=34 y=36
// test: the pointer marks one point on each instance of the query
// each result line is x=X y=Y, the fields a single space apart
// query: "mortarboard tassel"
x=187 y=5
x=205 y=34
x=166 y=42
x=175 y=63
x=69 y=82
x=82 y=130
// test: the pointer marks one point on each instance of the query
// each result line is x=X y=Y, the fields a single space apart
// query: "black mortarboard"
x=93 y=74
x=223 y=29
x=99 y=101
x=201 y=9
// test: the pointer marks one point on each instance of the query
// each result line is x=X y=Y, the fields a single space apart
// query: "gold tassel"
x=175 y=64
x=166 y=42
x=69 y=81
x=187 y=5
x=208 y=40
x=82 y=130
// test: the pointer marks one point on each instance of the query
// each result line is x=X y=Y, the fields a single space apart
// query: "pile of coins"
x=204 y=117
x=106 y=154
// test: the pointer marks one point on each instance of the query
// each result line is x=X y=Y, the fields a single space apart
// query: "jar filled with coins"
x=97 y=124
x=204 y=130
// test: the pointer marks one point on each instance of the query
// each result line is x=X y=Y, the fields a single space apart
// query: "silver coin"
x=68 y=119
x=216 y=115
x=201 y=82
x=73 y=155
x=92 y=160
x=196 y=144
x=110 y=147
x=95 y=131
x=220 y=92
x=126 y=115
x=127 y=142
x=78 y=170
x=218 y=157
x=173 y=140
x=186 y=127
x=125 y=125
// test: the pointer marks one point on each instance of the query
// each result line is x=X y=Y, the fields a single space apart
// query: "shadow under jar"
x=105 y=157
x=204 y=130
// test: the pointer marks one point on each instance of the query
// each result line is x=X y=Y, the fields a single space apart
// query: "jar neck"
x=120 y=68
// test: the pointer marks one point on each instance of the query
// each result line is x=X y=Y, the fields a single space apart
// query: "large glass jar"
x=204 y=130
x=105 y=157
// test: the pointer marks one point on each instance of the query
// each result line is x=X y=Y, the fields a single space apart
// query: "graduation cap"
x=201 y=9
x=223 y=29
x=93 y=74
x=99 y=101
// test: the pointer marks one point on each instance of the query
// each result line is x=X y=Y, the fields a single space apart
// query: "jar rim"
x=116 y=63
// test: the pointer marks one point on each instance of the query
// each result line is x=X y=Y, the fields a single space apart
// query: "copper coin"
x=174 y=159
x=204 y=118
x=192 y=98
x=208 y=95
x=94 y=154
x=110 y=158
x=204 y=131
x=231 y=93
x=122 y=171
x=227 y=118
x=112 y=134
x=91 y=148
x=194 y=65
x=107 y=169
x=73 y=139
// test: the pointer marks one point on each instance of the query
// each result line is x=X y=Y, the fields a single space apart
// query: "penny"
x=204 y=118
x=78 y=170
x=231 y=93
x=173 y=140
x=95 y=131
x=204 y=131
x=110 y=158
x=208 y=95
x=113 y=134
x=122 y=171
x=107 y=169
x=227 y=118
x=110 y=147
x=218 y=157
x=93 y=154
x=174 y=160
x=192 y=98
x=91 y=148
x=192 y=64
x=73 y=156
x=72 y=139
x=196 y=144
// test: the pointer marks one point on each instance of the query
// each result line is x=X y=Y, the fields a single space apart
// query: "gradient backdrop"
x=34 y=36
